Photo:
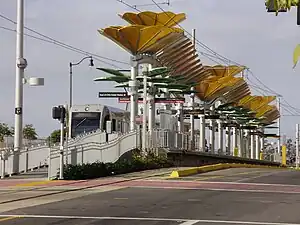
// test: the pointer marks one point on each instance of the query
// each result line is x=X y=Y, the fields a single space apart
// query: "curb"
x=215 y=167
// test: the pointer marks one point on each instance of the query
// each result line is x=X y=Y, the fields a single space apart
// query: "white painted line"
x=263 y=175
x=182 y=221
x=95 y=218
x=223 y=189
x=190 y=222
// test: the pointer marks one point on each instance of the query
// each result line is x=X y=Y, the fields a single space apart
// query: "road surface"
x=233 y=196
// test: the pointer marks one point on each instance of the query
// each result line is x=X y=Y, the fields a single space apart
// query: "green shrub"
x=99 y=169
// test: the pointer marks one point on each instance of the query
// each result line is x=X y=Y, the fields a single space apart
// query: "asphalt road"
x=174 y=206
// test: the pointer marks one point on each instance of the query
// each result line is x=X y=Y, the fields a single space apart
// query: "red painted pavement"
x=121 y=182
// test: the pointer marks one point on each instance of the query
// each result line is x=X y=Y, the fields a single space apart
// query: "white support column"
x=212 y=131
x=235 y=140
x=192 y=103
x=21 y=64
x=221 y=137
x=257 y=146
x=202 y=133
x=252 y=146
x=241 y=143
x=179 y=108
x=261 y=145
x=133 y=94
x=144 y=141
x=151 y=103
x=192 y=121
x=228 y=140
x=247 y=144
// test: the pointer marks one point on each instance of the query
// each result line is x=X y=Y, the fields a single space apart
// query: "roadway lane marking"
x=181 y=221
x=191 y=222
x=8 y=218
x=209 y=177
x=229 y=175
x=252 y=178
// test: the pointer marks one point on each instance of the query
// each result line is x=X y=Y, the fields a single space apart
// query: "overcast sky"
x=240 y=30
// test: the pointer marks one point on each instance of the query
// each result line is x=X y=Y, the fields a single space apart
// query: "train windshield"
x=84 y=122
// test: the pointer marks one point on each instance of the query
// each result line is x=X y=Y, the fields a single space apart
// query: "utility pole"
x=21 y=65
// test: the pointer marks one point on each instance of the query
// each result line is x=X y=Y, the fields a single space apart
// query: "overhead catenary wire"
x=51 y=40
x=213 y=54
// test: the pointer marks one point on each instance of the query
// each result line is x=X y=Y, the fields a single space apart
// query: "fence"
x=97 y=146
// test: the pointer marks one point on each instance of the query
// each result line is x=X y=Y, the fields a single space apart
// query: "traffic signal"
x=59 y=113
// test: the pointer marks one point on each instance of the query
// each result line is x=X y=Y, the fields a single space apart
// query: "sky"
x=239 y=30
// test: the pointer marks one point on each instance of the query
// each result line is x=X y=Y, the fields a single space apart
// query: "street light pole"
x=21 y=65
x=71 y=77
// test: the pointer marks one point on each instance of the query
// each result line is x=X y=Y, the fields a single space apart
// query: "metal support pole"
x=70 y=85
x=257 y=147
x=262 y=142
x=235 y=142
x=212 y=131
x=61 y=153
x=192 y=104
x=202 y=133
x=2 y=168
x=151 y=103
x=241 y=143
x=144 y=113
x=279 y=127
x=221 y=136
x=252 y=145
x=21 y=65
x=228 y=140
x=180 y=117
x=133 y=95
x=297 y=146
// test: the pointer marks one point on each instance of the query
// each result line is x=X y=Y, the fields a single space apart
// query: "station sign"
x=112 y=94
x=126 y=99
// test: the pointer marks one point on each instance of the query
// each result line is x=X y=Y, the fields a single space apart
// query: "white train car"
x=91 y=117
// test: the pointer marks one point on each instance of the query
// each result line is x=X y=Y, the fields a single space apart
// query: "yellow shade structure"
x=256 y=102
x=211 y=88
x=221 y=70
x=138 y=39
x=149 y=18
x=238 y=91
x=260 y=101
x=182 y=59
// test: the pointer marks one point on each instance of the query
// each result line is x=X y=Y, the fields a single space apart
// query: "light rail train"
x=91 y=117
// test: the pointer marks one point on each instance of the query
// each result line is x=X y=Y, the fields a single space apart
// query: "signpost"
x=113 y=95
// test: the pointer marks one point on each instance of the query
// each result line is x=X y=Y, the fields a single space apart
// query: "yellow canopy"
x=221 y=71
x=148 y=18
x=139 y=39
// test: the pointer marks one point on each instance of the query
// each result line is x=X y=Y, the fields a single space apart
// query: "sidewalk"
x=6 y=184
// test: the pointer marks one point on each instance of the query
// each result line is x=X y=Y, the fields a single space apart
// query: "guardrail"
x=93 y=147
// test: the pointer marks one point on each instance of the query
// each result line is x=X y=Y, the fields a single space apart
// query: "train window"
x=84 y=122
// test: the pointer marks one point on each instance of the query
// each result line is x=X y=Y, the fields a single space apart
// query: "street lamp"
x=71 y=77
x=21 y=64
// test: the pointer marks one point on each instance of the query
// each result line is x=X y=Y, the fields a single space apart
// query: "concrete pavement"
x=233 y=196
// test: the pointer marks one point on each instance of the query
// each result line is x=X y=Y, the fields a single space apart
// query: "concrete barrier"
x=215 y=167
x=196 y=159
